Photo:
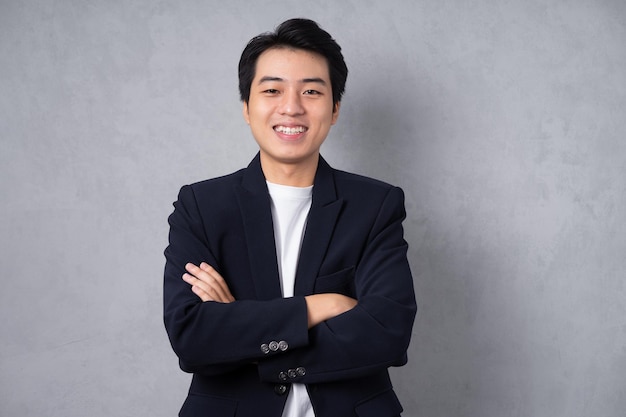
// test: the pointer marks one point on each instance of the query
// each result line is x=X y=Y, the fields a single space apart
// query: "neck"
x=296 y=175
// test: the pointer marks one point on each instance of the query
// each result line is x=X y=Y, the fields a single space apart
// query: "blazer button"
x=282 y=376
x=280 y=389
x=265 y=348
x=292 y=373
x=301 y=371
x=273 y=346
x=283 y=346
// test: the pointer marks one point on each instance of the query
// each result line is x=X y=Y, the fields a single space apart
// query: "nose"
x=291 y=104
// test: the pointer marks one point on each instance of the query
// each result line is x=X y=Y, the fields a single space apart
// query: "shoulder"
x=217 y=185
x=359 y=180
x=355 y=185
x=213 y=192
x=368 y=200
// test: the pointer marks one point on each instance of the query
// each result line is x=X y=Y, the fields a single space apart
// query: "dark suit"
x=244 y=355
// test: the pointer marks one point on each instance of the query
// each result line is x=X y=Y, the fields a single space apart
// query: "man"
x=287 y=289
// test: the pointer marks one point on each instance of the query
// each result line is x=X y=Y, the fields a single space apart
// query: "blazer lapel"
x=255 y=205
x=323 y=215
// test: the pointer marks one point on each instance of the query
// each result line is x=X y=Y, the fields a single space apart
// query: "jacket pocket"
x=385 y=404
x=203 y=405
x=341 y=282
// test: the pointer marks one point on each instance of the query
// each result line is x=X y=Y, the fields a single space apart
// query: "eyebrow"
x=304 y=80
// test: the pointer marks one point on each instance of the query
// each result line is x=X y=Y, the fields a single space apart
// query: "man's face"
x=290 y=109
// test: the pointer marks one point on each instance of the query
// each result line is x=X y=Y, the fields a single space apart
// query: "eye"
x=312 y=92
x=270 y=91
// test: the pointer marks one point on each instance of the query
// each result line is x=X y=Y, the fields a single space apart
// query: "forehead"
x=290 y=63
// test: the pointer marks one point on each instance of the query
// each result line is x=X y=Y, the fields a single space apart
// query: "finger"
x=204 y=272
x=201 y=293
x=196 y=287
x=215 y=286
x=219 y=280
x=204 y=289
x=192 y=268
x=207 y=287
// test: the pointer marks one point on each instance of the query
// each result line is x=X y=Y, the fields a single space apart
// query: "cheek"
x=258 y=114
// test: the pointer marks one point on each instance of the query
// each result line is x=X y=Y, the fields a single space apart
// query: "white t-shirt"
x=290 y=209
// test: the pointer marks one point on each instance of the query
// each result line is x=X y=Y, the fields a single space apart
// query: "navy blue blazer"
x=244 y=355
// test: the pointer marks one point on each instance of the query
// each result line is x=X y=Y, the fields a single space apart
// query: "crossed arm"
x=220 y=335
x=209 y=285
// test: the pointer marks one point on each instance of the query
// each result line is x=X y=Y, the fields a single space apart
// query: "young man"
x=287 y=289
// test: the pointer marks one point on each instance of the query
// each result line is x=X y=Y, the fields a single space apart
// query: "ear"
x=246 y=114
x=335 y=112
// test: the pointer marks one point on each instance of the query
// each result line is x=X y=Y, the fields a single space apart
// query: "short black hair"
x=302 y=34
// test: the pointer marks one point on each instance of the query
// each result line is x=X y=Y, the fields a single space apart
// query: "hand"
x=321 y=307
x=207 y=283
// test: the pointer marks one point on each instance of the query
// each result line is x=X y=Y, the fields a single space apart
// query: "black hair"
x=299 y=34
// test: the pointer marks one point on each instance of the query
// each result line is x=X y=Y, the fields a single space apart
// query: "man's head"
x=301 y=34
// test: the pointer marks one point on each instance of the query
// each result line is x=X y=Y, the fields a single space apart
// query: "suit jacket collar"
x=323 y=184
x=320 y=225
x=255 y=205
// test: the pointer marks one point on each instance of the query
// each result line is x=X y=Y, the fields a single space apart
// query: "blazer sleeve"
x=212 y=337
x=376 y=333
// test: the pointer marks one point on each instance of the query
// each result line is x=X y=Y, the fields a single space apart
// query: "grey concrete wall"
x=503 y=121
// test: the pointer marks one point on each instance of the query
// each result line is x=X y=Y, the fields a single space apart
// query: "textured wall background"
x=503 y=121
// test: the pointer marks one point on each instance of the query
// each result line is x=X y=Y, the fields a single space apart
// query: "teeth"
x=290 y=130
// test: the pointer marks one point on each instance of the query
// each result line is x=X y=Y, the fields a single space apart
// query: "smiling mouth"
x=285 y=130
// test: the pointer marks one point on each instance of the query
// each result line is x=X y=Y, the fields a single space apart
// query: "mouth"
x=290 y=130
